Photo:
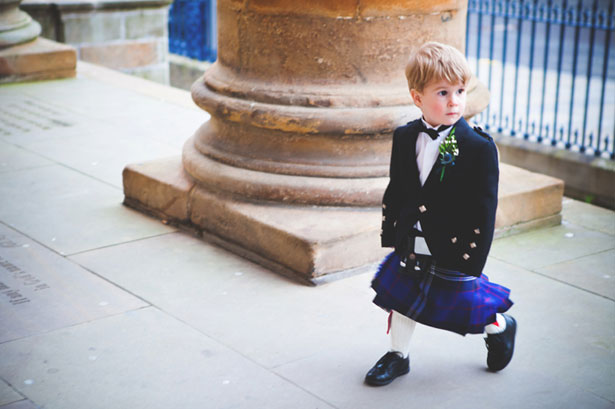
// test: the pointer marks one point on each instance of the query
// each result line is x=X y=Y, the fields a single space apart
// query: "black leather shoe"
x=501 y=346
x=389 y=367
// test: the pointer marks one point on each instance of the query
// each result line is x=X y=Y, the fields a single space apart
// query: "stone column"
x=291 y=167
x=16 y=27
x=303 y=100
x=309 y=94
x=23 y=56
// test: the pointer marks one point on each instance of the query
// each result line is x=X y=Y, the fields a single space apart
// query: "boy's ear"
x=416 y=97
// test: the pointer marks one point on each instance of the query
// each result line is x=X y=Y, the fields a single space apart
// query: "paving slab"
x=37 y=109
x=115 y=79
x=83 y=133
x=589 y=216
x=15 y=158
x=8 y=394
x=595 y=273
x=543 y=247
x=103 y=151
x=25 y=117
x=70 y=212
x=568 y=365
x=162 y=121
x=437 y=380
x=143 y=359
x=94 y=98
x=313 y=322
x=271 y=319
x=564 y=332
x=41 y=291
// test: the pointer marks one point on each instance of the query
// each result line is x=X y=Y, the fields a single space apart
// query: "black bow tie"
x=433 y=133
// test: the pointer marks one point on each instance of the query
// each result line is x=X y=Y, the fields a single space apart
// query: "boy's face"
x=441 y=102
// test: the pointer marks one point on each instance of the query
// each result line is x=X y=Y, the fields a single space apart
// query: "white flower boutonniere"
x=448 y=152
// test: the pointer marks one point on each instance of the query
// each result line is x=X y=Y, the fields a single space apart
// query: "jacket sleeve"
x=475 y=247
x=392 y=195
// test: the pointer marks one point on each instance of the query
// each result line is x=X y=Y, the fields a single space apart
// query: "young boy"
x=439 y=214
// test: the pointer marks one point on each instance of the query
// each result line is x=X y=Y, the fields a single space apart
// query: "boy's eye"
x=461 y=90
x=442 y=93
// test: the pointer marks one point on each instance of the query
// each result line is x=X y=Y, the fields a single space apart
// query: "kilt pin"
x=456 y=210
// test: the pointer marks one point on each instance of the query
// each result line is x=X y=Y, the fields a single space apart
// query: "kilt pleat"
x=438 y=297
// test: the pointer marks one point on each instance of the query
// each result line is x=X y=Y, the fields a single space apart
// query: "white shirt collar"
x=442 y=134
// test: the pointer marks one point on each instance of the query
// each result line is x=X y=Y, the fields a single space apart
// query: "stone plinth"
x=24 y=56
x=126 y=35
x=37 y=60
x=291 y=168
x=313 y=244
x=527 y=200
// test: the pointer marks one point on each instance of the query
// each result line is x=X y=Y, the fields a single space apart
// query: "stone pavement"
x=103 y=307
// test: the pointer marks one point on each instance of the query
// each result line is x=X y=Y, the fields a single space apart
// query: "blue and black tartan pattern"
x=439 y=297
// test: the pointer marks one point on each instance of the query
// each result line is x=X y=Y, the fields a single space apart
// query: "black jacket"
x=457 y=214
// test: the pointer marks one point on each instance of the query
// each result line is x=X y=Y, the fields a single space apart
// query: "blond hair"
x=435 y=62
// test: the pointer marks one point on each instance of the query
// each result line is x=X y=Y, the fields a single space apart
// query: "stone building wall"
x=184 y=71
x=129 y=36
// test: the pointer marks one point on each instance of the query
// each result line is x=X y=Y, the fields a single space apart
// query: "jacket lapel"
x=412 y=165
x=434 y=175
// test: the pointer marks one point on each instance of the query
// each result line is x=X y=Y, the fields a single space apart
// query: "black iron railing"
x=549 y=64
x=192 y=29
x=550 y=67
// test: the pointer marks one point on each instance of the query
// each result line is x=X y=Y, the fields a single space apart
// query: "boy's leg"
x=500 y=341
x=498 y=326
x=401 y=332
x=395 y=362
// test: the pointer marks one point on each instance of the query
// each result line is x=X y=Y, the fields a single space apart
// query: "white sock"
x=402 y=329
x=496 y=329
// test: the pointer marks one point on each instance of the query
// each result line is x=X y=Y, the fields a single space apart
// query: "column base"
x=37 y=60
x=312 y=244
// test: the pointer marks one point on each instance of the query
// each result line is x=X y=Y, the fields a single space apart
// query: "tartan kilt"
x=438 y=297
